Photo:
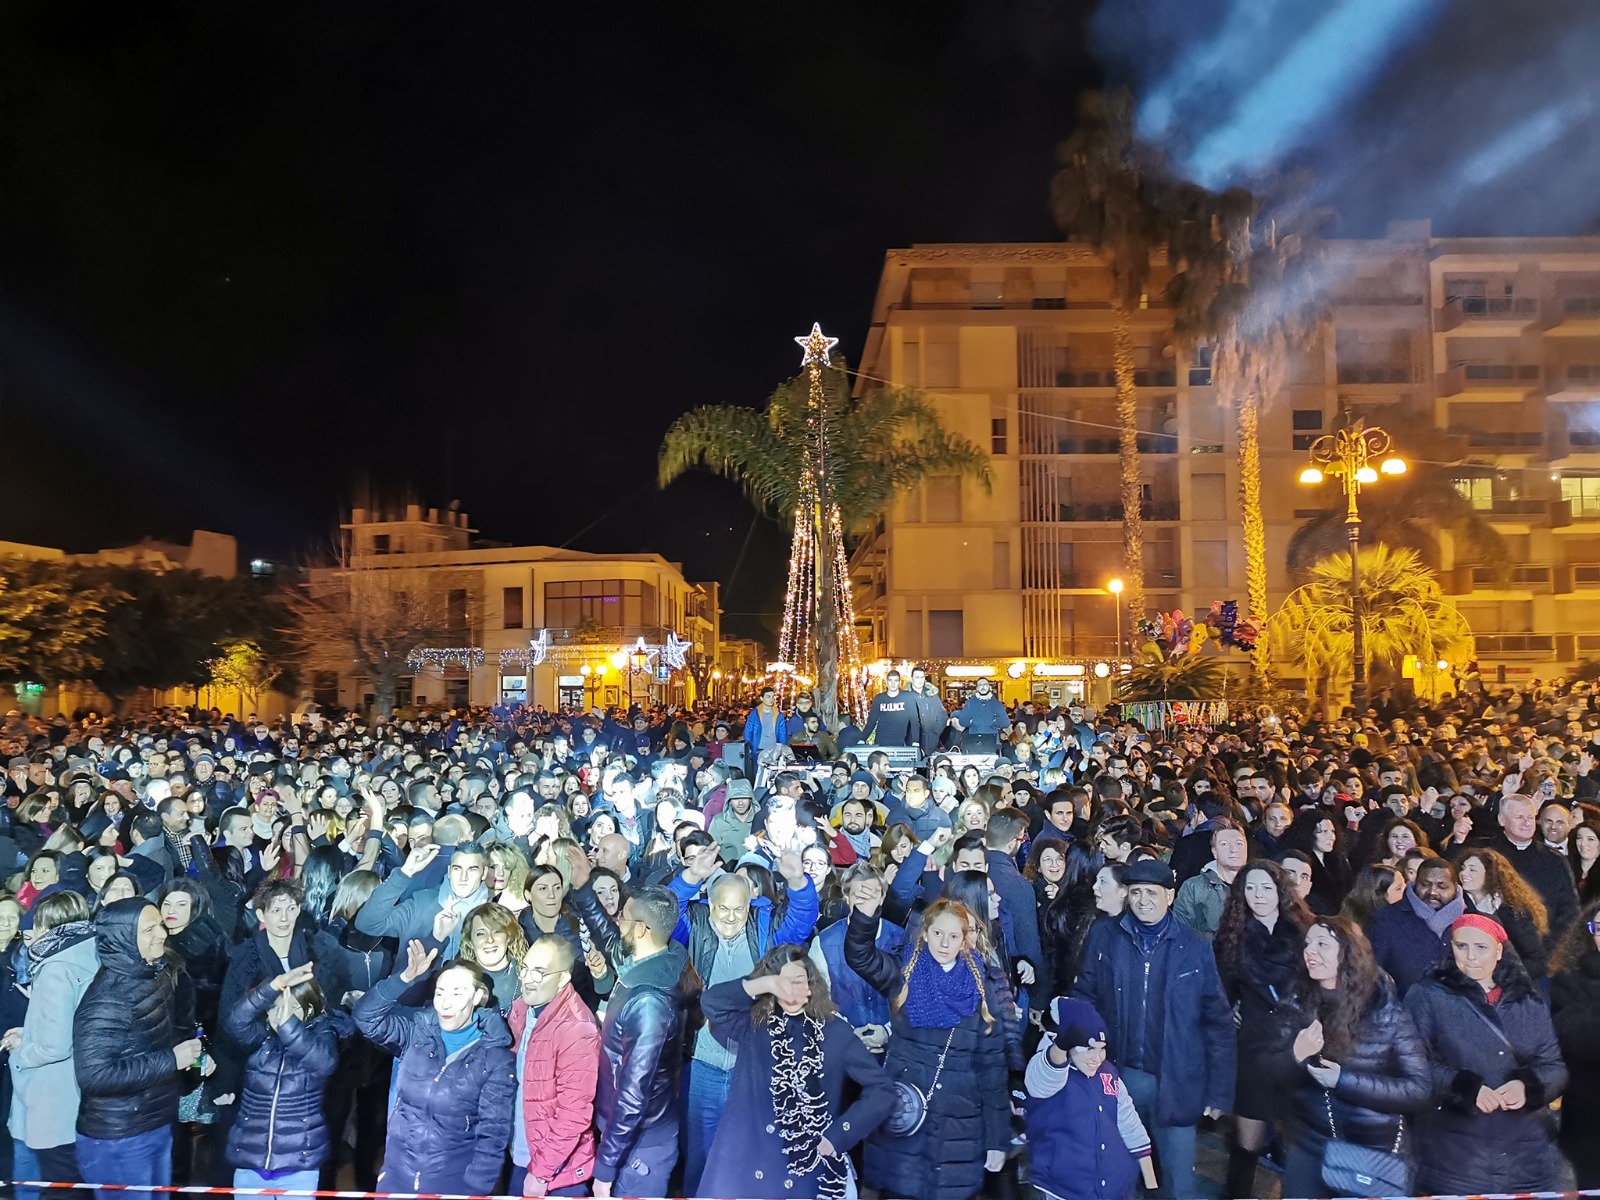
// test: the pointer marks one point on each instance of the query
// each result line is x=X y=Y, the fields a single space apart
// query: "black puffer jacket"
x=254 y=962
x=968 y=1116
x=1383 y=1078
x=1575 y=1011
x=279 y=1126
x=125 y=1029
x=1473 y=1044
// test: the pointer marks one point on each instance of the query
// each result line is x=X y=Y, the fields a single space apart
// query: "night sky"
x=257 y=259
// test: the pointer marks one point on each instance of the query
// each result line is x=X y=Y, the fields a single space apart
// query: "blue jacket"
x=752 y=730
x=1404 y=945
x=279 y=1126
x=859 y=1002
x=1018 y=897
x=1166 y=1013
x=983 y=717
x=1078 y=1149
x=450 y=1120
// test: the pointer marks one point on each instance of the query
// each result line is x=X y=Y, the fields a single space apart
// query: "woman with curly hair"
x=1350 y=1053
x=948 y=1044
x=1492 y=887
x=1258 y=953
x=1046 y=869
x=1064 y=922
x=795 y=1056
x=492 y=938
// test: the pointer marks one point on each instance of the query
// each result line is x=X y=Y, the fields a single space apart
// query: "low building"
x=534 y=624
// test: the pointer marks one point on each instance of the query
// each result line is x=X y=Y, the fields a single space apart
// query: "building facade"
x=533 y=624
x=1494 y=343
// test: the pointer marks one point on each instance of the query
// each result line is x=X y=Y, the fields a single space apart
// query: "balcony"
x=1152 y=443
x=1156 y=579
x=1363 y=373
x=1515 y=645
x=1576 y=382
x=1489 y=382
x=608 y=635
x=1150 y=510
x=1501 y=441
x=1488 y=316
x=1578 y=316
x=1516 y=579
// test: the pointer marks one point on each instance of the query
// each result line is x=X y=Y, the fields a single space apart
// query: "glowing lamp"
x=584 y=670
x=1441 y=665
x=619 y=659
x=1101 y=670
x=1115 y=587
x=1366 y=475
x=1016 y=670
x=1311 y=475
x=1393 y=466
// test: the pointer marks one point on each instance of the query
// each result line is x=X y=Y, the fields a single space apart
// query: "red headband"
x=1481 y=923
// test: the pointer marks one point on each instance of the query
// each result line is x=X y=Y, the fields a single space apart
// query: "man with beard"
x=636 y=1106
x=855 y=826
x=1409 y=937
x=981 y=720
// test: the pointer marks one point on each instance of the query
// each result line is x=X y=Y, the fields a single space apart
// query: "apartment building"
x=1495 y=341
x=554 y=626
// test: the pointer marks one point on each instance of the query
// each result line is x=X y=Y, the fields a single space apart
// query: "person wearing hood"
x=455 y=1083
x=727 y=934
x=392 y=913
x=641 y=1041
x=736 y=822
x=132 y=1036
x=1495 y=1066
x=62 y=962
x=1409 y=938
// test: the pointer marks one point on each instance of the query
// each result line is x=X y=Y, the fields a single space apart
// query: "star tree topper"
x=816 y=344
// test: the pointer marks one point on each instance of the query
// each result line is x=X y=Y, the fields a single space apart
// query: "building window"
x=913 y=647
x=943 y=499
x=613 y=603
x=1308 y=418
x=997 y=436
x=511 y=607
x=455 y=609
x=1200 y=369
x=380 y=543
x=1582 y=492
x=945 y=634
x=1479 y=491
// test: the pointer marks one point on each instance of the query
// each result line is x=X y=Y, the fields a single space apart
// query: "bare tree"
x=367 y=619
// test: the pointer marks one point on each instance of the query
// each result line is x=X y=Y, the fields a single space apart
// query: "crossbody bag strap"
x=939 y=1069
x=1399 y=1129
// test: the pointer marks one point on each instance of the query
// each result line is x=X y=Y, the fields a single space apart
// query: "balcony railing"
x=1150 y=510
x=607 y=635
x=1357 y=373
x=1494 y=306
x=1499 y=645
x=1501 y=507
x=1149 y=443
x=1517 y=577
x=1160 y=579
x=1502 y=439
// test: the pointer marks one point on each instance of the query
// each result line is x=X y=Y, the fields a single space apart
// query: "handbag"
x=910 y=1103
x=1352 y=1170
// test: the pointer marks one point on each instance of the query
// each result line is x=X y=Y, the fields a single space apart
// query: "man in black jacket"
x=130 y=1044
x=636 y=1104
x=1547 y=873
x=892 y=718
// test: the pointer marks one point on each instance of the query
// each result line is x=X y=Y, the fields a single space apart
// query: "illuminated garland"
x=537 y=651
x=816 y=517
x=466 y=657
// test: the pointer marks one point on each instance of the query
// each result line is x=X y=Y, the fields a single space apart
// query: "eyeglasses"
x=536 y=973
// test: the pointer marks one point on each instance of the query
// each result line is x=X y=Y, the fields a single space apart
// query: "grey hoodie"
x=44 y=1098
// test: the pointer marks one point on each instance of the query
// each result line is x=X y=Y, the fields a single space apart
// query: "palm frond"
x=741 y=445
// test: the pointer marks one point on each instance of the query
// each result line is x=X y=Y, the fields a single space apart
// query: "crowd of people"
x=582 y=953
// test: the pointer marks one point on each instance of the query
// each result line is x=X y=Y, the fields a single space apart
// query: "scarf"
x=940 y=999
x=799 y=1103
x=861 y=842
x=462 y=905
x=1438 y=922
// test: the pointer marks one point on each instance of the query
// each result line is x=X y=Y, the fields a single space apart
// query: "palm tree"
x=1113 y=193
x=1248 y=285
x=1186 y=677
x=1404 y=613
x=1400 y=512
x=878 y=447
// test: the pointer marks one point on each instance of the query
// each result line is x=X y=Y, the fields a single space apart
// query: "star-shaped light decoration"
x=816 y=344
x=673 y=651
x=538 y=648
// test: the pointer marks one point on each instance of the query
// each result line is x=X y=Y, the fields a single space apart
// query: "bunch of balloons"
x=1171 y=635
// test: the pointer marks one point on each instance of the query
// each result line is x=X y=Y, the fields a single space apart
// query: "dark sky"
x=253 y=255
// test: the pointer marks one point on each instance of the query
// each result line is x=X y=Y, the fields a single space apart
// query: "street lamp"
x=638 y=660
x=1115 y=588
x=1348 y=455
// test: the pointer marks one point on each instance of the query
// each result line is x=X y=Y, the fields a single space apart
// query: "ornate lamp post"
x=1115 y=588
x=1348 y=454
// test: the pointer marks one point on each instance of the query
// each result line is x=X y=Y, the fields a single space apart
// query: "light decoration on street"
x=817 y=553
x=466 y=657
x=674 y=651
x=536 y=652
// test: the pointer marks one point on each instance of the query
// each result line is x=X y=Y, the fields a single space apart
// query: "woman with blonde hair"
x=970 y=816
x=949 y=1046
x=508 y=876
x=1492 y=887
x=492 y=938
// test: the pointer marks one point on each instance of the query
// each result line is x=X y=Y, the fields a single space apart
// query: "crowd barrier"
x=229 y=1191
